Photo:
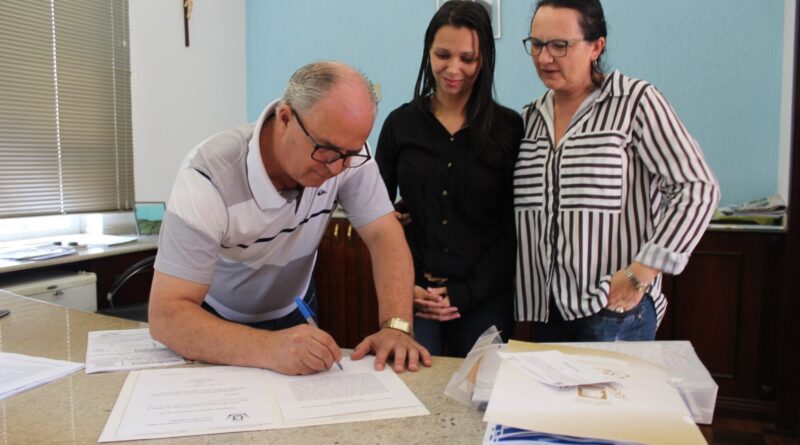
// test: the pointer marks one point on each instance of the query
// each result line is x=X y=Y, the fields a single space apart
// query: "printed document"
x=20 y=372
x=206 y=400
x=125 y=350
x=188 y=401
x=357 y=388
x=555 y=368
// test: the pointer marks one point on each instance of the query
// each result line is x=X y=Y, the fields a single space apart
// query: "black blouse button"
x=444 y=222
x=444 y=192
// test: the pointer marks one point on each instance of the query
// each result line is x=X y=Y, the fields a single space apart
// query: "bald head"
x=311 y=83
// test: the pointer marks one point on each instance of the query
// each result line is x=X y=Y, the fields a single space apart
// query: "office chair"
x=133 y=311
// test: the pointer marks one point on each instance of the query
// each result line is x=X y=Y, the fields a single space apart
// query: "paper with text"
x=19 y=372
x=125 y=350
x=555 y=368
x=206 y=400
x=189 y=401
x=357 y=388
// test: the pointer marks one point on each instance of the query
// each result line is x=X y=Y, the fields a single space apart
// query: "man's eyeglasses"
x=556 y=47
x=328 y=154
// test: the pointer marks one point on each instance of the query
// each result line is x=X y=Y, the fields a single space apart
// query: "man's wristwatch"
x=399 y=324
x=641 y=287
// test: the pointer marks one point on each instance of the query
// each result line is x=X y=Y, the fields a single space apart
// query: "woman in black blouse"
x=451 y=151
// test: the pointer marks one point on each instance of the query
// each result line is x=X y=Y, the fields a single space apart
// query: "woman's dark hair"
x=593 y=25
x=481 y=107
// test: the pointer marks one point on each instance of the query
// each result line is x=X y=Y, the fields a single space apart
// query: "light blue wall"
x=719 y=63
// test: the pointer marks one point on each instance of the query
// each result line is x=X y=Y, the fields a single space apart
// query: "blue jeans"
x=292 y=319
x=636 y=324
x=456 y=337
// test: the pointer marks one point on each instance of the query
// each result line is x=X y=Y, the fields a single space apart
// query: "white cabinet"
x=77 y=290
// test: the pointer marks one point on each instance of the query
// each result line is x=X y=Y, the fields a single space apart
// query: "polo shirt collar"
x=264 y=192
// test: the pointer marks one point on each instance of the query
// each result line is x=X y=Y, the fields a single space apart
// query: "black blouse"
x=461 y=207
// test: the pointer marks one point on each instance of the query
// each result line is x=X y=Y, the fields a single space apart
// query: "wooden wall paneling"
x=666 y=330
x=367 y=310
x=352 y=277
x=706 y=311
x=338 y=268
x=322 y=282
x=724 y=303
x=754 y=299
x=335 y=269
x=787 y=413
x=774 y=289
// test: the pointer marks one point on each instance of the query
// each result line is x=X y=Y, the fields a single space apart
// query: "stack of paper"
x=772 y=206
x=20 y=372
x=767 y=211
x=497 y=434
x=36 y=252
x=627 y=400
x=85 y=239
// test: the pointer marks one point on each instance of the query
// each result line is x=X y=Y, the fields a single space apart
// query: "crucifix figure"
x=187 y=14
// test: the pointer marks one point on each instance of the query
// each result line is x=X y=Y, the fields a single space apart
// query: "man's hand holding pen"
x=308 y=314
x=303 y=350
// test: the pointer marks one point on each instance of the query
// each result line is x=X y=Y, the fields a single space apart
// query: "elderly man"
x=244 y=221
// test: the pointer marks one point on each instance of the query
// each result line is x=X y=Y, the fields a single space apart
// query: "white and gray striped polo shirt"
x=626 y=183
x=227 y=226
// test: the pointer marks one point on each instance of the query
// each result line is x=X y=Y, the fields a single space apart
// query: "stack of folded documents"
x=586 y=394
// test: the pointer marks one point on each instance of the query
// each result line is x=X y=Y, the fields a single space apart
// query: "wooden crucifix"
x=187 y=14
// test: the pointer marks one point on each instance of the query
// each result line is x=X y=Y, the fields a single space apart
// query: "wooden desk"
x=107 y=262
x=74 y=409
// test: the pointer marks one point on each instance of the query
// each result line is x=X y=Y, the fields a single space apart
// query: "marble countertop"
x=74 y=409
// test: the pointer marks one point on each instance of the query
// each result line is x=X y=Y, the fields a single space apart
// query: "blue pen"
x=309 y=316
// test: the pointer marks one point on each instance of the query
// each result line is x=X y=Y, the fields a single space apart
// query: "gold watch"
x=399 y=324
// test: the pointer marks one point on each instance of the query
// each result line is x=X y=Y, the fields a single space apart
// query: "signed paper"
x=357 y=388
x=125 y=350
x=206 y=400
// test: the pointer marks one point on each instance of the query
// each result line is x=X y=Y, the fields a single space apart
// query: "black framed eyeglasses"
x=328 y=154
x=556 y=47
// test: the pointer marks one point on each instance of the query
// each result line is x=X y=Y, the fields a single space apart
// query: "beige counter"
x=74 y=409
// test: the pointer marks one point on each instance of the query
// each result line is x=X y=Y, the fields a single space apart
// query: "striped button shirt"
x=626 y=183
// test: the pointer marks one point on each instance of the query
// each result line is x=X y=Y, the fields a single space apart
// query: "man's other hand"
x=391 y=342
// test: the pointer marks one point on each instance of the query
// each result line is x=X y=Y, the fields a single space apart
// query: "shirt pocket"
x=529 y=173
x=592 y=172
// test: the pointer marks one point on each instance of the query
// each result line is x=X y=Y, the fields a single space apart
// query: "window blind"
x=65 y=110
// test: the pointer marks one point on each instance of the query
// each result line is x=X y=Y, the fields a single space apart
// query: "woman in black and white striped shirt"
x=610 y=189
